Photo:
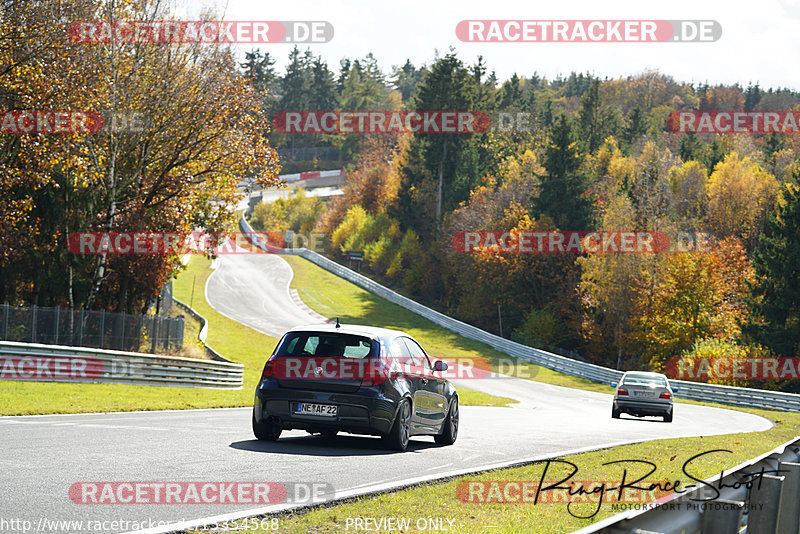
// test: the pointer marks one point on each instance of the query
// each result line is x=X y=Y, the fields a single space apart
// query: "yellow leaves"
x=739 y=193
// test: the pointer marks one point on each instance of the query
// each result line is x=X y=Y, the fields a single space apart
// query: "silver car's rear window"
x=324 y=345
x=644 y=380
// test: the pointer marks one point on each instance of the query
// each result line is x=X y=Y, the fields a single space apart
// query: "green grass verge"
x=235 y=341
x=439 y=500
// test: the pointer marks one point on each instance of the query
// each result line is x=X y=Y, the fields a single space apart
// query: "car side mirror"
x=440 y=366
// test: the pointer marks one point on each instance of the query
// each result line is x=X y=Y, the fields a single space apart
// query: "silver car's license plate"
x=644 y=394
x=327 y=410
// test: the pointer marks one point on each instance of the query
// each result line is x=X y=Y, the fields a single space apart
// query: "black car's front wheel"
x=397 y=438
x=265 y=431
x=450 y=427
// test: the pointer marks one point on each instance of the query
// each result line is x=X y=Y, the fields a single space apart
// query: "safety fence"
x=90 y=328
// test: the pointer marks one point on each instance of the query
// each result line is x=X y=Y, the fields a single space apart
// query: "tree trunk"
x=439 y=188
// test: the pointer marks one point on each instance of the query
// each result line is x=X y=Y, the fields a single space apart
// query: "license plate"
x=644 y=394
x=327 y=410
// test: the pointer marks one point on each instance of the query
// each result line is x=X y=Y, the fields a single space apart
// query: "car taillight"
x=269 y=370
x=664 y=395
x=377 y=375
x=622 y=392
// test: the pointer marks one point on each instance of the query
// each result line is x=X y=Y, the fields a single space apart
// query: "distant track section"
x=735 y=396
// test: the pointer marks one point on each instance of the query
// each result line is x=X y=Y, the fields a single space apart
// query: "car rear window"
x=324 y=345
x=644 y=380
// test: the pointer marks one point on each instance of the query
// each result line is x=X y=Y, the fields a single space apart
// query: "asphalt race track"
x=42 y=456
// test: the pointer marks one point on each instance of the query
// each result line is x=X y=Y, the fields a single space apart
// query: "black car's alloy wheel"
x=398 y=436
x=450 y=427
x=265 y=431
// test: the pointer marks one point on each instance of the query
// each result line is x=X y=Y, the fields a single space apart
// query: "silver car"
x=641 y=393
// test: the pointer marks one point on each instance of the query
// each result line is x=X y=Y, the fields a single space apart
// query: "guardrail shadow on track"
x=734 y=396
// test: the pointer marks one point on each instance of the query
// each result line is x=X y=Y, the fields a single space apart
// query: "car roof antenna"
x=337 y=323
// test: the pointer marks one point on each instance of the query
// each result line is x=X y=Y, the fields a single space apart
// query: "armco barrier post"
x=724 y=519
x=6 y=311
x=765 y=503
x=33 y=323
x=789 y=518
x=181 y=327
x=81 y=320
x=122 y=332
x=102 y=328
x=55 y=325
x=155 y=334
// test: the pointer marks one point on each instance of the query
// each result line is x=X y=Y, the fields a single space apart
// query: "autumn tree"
x=696 y=295
x=441 y=169
x=740 y=194
x=565 y=195
x=776 y=303
x=607 y=283
x=177 y=172
x=689 y=198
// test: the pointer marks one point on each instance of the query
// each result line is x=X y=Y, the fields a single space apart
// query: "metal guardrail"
x=734 y=396
x=55 y=363
x=760 y=495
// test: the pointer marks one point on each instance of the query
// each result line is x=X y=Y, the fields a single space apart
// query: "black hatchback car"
x=344 y=378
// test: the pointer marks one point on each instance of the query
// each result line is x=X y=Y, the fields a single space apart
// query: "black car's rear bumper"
x=369 y=411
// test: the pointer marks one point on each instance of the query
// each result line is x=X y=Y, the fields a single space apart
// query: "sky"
x=760 y=40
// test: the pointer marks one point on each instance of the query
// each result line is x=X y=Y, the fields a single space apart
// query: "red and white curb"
x=302 y=305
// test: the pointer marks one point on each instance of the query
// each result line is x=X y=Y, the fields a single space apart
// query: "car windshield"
x=644 y=380
x=324 y=345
